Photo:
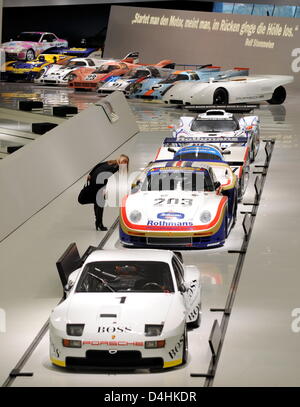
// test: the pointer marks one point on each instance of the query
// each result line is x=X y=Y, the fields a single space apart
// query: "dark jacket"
x=103 y=167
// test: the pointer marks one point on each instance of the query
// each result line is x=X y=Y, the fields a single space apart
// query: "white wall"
x=40 y=171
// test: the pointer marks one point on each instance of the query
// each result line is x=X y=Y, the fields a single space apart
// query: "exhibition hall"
x=149 y=162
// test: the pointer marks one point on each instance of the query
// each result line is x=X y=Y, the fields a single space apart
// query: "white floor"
x=30 y=287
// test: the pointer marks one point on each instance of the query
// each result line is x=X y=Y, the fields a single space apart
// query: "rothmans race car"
x=182 y=204
x=126 y=309
x=237 y=158
x=28 y=45
x=59 y=75
x=242 y=89
x=216 y=124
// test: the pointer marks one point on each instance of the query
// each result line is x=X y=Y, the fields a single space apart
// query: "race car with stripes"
x=101 y=324
x=180 y=204
x=236 y=157
x=218 y=124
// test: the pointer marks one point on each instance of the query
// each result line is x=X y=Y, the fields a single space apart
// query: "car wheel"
x=226 y=224
x=278 y=97
x=185 y=351
x=30 y=55
x=220 y=97
x=196 y=323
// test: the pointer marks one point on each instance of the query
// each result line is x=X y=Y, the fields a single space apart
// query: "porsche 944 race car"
x=59 y=75
x=243 y=89
x=155 y=88
x=29 y=70
x=216 y=124
x=126 y=309
x=180 y=204
x=28 y=45
x=237 y=158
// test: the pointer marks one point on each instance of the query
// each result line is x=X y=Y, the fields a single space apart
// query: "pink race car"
x=28 y=45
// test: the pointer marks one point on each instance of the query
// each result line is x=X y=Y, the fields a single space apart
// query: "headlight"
x=154 y=344
x=75 y=329
x=71 y=77
x=205 y=217
x=153 y=330
x=67 y=343
x=42 y=71
x=135 y=216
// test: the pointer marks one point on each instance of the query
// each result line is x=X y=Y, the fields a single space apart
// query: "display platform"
x=28 y=259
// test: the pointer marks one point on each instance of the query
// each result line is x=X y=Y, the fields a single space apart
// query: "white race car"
x=184 y=204
x=217 y=124
x=59 y=74
x=126 y=309
x=241 y=89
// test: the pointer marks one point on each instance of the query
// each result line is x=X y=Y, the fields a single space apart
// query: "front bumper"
x=115 y=354
x=200 y=242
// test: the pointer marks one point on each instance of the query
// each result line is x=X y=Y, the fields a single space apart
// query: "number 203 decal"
x=173 y=201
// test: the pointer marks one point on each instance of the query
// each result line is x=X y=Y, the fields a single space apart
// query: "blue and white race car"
x=180 y=204
x=215 y=124
x=237 y=158
x=155 y=88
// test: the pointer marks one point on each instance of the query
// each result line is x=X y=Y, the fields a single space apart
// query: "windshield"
x=196 y=155
x=175 y=77
x=75 y=64
x=214 y=125
x=125 y=276
x=178 y=181
x=35 y=37
x=106 y=68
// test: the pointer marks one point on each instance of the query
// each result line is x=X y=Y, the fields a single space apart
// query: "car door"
x=48 y=41
x=179 y=276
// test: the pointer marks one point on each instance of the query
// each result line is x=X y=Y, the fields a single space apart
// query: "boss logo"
x=173 y=352
x=113 y=329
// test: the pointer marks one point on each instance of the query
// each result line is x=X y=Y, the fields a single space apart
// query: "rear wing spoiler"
x=195 y=66
x=227 y=108
x=209 y=140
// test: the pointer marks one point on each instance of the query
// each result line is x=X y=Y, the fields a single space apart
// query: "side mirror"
x=182 y=288
x=171 y=150
x=217 y=184
x=135 y=187
x=68 y=286
x=226 y=152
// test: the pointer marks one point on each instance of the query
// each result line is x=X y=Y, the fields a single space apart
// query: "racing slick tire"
x=278 y=97
x=185 y=351
x=196 y=323
x=30 y=55
x=220 y=97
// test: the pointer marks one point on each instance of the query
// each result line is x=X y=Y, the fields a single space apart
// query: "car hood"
x=106 y=309
x=15 y=44
x=164 y=208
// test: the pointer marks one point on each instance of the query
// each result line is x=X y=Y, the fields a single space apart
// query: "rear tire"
x=278 y=97
x=196 y=323
x=185 y=351
x=220 y=97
